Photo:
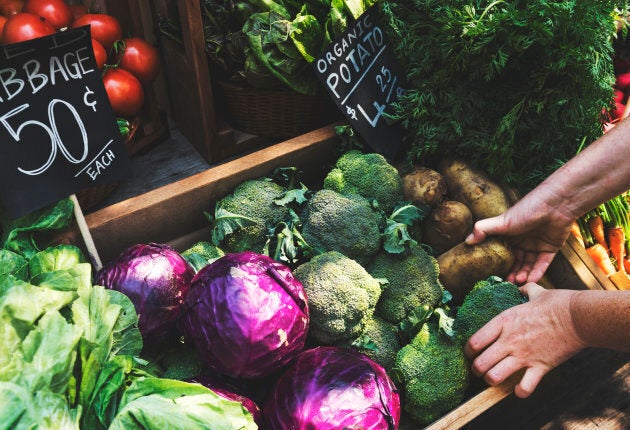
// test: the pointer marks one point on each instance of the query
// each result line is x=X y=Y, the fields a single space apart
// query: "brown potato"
x=424 y=186
x=474 y=188
x=447 y=225
x=464 y=265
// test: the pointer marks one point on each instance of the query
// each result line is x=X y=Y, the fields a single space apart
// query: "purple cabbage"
x=156 y=278
x=246 y=314
x=330 y=388
x=231 y=394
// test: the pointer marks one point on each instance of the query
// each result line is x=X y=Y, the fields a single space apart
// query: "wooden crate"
x=174 y=214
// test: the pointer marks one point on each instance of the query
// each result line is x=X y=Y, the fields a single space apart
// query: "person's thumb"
x=484 y=228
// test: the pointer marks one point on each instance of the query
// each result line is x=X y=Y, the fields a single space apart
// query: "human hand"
x=535 y=237
x=536 y=336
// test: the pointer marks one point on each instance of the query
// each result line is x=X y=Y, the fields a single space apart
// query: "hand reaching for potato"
x=536 y=237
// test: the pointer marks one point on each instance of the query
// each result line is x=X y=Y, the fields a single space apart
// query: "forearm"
x=595 y=175
x=602 y=318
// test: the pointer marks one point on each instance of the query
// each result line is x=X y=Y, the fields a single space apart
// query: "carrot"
x=596 y=225
x=599 y=254
x=617 y=246
x=577 y=232
x=626 y=264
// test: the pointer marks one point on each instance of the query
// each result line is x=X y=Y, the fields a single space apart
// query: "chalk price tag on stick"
x=58 y=134
x=363 y=77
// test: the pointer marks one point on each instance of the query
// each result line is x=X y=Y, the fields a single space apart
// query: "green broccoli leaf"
x=396 y=236
x=225 y=223
x=412 y=324
x=365 y=342
x=297 y=195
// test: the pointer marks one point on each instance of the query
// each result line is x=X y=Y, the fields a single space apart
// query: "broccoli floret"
x=347 y=224
x=487 y=299
x=182 y=364
x=201 y=254
x=432 y=374
x=369 y=175
x=254 y=199
x=341 y=296
x=412 y=282
x=379 y=341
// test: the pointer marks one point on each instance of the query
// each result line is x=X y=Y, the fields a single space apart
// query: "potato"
x=474 y=188
x=423 y=185
x=447 y=225
x=463 y=265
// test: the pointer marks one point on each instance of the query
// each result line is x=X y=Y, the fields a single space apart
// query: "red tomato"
x=78 y=10
x=104 y=28
x=3 y=20
x=56 y=12
x=11 y=7
x=124 y=91
x=99 y=54
x=140 y=58
x=25 y=26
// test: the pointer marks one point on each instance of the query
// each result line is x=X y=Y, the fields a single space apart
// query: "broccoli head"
x=432 y=374
x=412 y=282
x=347 y=224
x=341 y=296
x=255 y=200
x=379 y=341
x=201 y=254
x=487 y=299
x=369 y=175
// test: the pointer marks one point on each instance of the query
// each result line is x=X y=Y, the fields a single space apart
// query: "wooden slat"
x=475 y=406
x=176 y=209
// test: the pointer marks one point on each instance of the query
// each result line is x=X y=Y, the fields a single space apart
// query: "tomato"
x=25 y=26
x=140 y=58
x=56 y=12
x=11 y=7
x=104 y=28
x=124 y=91
x=78 y=10
x=100 y=55
x=3 y=20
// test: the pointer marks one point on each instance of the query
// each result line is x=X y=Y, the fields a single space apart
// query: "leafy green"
x=225 y=223
x=19 y=234
x=167 y=403
x=514 y=87
x=396 y=238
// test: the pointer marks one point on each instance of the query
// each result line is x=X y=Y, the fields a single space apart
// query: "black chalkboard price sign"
x=363 y=77
x=58 y=134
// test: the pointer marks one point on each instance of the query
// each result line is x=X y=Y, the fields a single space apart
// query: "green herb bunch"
x=512 y=86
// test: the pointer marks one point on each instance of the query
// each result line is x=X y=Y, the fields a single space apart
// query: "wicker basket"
x=275 y=114
x=90 y=197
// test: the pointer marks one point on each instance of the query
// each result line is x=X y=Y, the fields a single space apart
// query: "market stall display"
x=312 y=282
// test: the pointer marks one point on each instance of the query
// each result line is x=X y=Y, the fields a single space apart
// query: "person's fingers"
x=516 y=266
x=484 y=228
x=527 y=263
x=540 y=266
x=529 y=381
x=502 y=370
x=531 y=290
x=480 y=340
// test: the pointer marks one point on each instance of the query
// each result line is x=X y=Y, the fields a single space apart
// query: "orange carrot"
x=575 y=230
x=596 y=225
x=600 y=256
x=617 y=246
x=626 y=264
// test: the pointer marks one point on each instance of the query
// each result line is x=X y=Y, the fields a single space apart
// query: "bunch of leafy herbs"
x=512 y=86
x=269 y=43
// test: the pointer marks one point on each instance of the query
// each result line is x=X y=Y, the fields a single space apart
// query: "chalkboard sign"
x=58 y=134
x=363 y=77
